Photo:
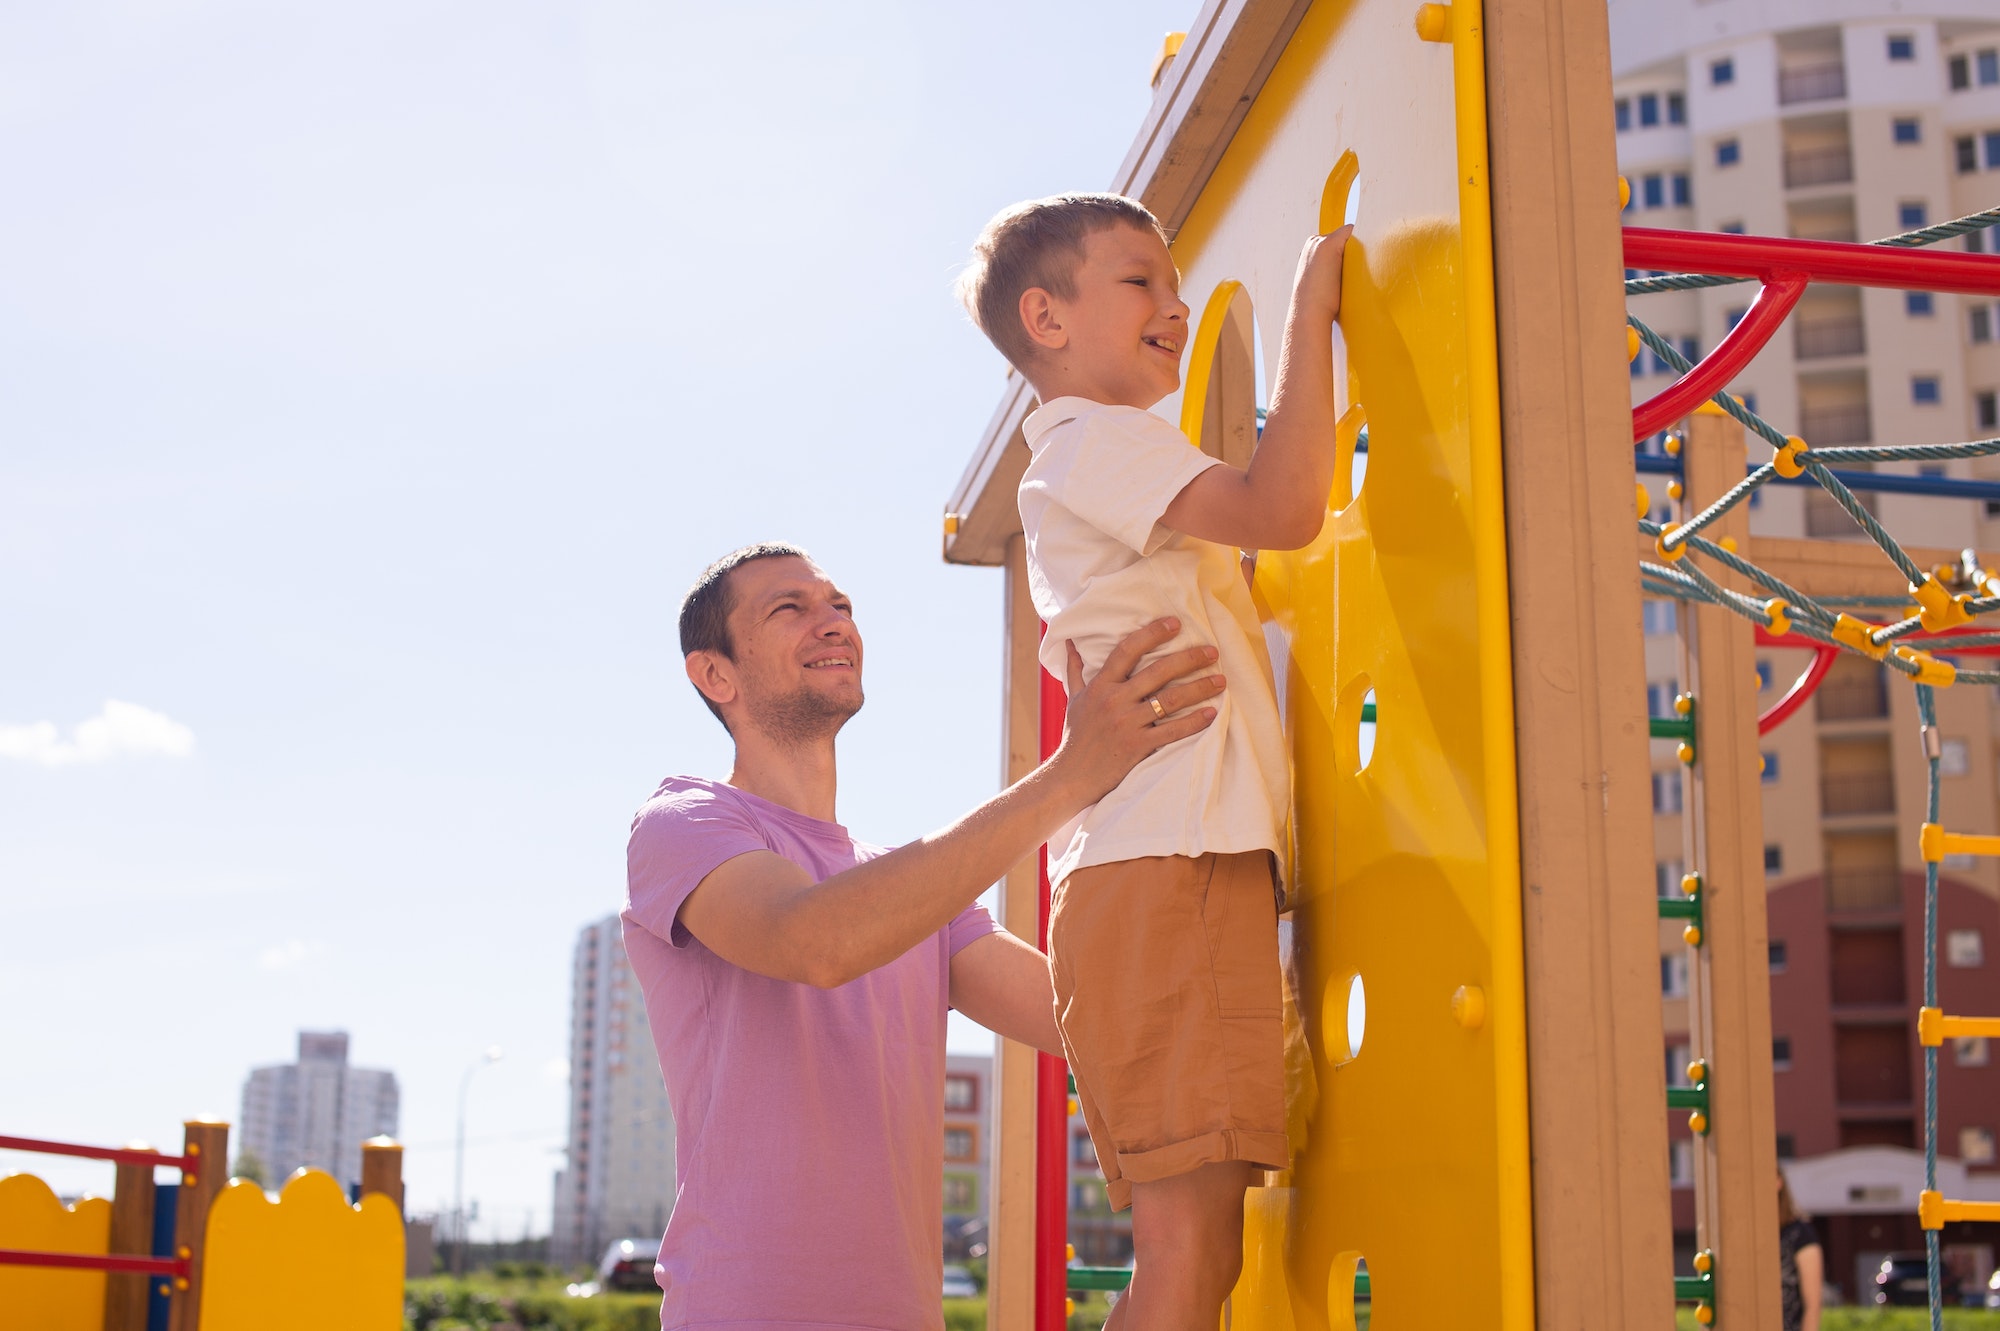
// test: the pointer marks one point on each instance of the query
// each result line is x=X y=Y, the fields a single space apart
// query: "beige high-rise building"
x=1840 y=120
x=619 y=1179
x=315 y=1113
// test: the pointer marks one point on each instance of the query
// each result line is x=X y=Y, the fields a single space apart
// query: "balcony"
x=1826 y=427
x=1857 y=793
x=1829 y=337
x=1818 y=166
x=1852 y=696
x=1826 y=520
x=1812 y=83
x=1872 y=888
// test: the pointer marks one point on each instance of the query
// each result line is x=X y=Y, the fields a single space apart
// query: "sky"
x=374 y=379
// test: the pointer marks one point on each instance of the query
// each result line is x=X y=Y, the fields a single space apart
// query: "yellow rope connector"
x=1934 y=843
x=1624 y=194
x=1673 y=555
x=1781 y=622
x=1930 y=670
x=1934 y=1028
x=1434 y=25
x=1934 y=1211
x=1728 y=543
x=1940 y=609
x=1851 y=632
x=1632 y=343
x=1645 y=500
x=1786 y=460
x=951 y=524
x=1673 y=445
x=1675 y=489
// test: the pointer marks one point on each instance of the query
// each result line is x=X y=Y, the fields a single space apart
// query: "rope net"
x=1944 y=607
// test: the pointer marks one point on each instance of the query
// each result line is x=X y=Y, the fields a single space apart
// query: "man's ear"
x=713 y=675
x=1042 y=320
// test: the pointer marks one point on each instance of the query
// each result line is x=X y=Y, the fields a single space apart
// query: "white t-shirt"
x=1100 y=565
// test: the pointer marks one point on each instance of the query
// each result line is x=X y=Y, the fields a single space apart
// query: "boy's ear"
x=1042 y=321
x=712 y=675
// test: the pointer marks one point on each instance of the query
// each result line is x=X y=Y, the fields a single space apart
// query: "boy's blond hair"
x=1036 y=244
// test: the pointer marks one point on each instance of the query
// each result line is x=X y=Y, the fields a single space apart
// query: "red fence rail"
x=123 y=1155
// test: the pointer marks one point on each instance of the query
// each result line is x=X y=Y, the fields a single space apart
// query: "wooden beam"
x=1010 y=1212
x=208 y=1141
x=1603 y=1220
x=132 y=1200
x=1817 y=568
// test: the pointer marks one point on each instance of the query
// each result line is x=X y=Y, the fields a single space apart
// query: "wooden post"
x=382 y=1169
x=208 y=1142
x=1010 y=1211
x=1603 y=1235
x=131 y=1234
x=1736 y=1171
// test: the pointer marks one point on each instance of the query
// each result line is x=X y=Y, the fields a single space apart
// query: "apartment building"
x=618 y=1181
x=968 y=1152
x=1839 y=120
x=315 y=1113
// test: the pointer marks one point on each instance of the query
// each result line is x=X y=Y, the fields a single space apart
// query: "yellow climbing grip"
x=1851 y=632
x=1781 y=620
x=1624 y=193
x=1930 y=670
x=1645 y=500
x=1632 y=343
x=1669 y=554
x=1941 y=610
x=1934 y=1027
x=1786 y=460
x=1434 y=25
x=1935 y=1212
x=1935 y=843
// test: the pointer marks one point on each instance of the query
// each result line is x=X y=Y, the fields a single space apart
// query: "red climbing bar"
x=81 y=1261
x=1051 y=1097
x=1709 y=375
x=116 y=1154
x=1820 y=260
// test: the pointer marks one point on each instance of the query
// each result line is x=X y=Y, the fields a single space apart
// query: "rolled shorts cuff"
x=1266 y=1150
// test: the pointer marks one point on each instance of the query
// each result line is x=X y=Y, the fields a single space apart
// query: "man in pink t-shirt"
x=797 y=980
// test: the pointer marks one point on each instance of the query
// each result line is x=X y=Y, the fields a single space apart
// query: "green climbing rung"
x=1670 y=727
x=1118 y=1277
x=1692 y=1289
x=1680 y=908
x=1687 y=1097
x=1368 y=714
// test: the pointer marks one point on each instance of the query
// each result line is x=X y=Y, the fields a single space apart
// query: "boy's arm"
x=1279 y=501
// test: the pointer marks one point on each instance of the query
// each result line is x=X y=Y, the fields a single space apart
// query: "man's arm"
x=1003 y=984
x=1279 y=501
x=764 y=913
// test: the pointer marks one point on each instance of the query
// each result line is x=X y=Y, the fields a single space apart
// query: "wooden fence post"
x=132 y=1201
x=208 y=1142
x=382 y=1169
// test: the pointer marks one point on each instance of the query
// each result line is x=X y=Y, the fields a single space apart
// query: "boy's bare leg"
x=1187 y=1249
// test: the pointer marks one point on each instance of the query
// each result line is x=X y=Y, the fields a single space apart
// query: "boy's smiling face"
x=1119 y=340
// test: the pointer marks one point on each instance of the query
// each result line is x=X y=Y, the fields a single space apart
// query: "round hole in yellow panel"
x=1355 y=728
x=1345 y=1019
x=1350 y=455
x=1348 y=1288
x=1222 y=410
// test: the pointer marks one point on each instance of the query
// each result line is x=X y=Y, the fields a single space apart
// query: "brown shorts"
x=1167 y=992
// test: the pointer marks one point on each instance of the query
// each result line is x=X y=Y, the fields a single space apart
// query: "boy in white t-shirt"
x=1163 y=934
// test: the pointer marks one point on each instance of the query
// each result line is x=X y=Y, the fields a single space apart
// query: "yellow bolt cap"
x=1704 y=1262
x=1624 y=193
x=1645 y=501
x=1686 y=754
x=1434 y=23
x=1698 y=1122
x=1705 y=1315
x=1468 y=1006
x=1673 y=445
x=1675 y=490
x=1683 y=703
x=1692 y=935
x=1698 y=1073
x=1631 y=343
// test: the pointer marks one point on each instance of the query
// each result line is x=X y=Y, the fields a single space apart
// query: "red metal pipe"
x=78 y=1261
x=1709 y=375
x=1820 y=260
x=1051 y=1096
x=1802 y=688
x=116 y=1154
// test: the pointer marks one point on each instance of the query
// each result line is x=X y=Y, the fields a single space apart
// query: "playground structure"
x=209 y=1253
x=1478 y=1106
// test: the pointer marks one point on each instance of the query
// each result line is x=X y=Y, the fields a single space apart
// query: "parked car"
x=1993 y=1291
x=958 y=1283
x=1903 y=1279
x=628 y=1264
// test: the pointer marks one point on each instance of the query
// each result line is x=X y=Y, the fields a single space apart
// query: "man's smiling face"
x=797 y=663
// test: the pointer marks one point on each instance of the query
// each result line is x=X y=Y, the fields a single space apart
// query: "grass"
x=1881 y=1319
x=487 y=1302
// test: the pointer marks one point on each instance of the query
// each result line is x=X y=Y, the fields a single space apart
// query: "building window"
x=1087 y=1195
x=1788 y=1146
x=1683 y=192
x=1649 y=109
x=1902 y=46
x=1975 y=1146
x=1655 y=188
x=1735 y=316
x=1660 y=697
x=1989 y=68
x=960 y=1143
x=1082 y=1151
x=1728 y=152
x=1659 y=617
x=1721 y=71
x=1621 y=112
x=1924 y=390
x=1666 y=792
x=1776 y=951
x=1953 y=759
x=1677 y=109
x=961 y=1093
x=1910 y=216
x=1667 y=876
x=1961 y=73
x=961 y=1193
x=1964 y=948
x=1986 y=410
x=1918 y=304
x=1990 y=146
x=1906 y=129
x=1659 y=363
x=1674 y=976
x=1677 y=1065
x=1781 y=1053
x=1763 y=675
x=1980 y=319
x=1969 y=1051
x=1965 y=150
x=1774 y=861
x=1749 y=401
x=1680 y=1163
x=1731 y=228
x=1770 y=773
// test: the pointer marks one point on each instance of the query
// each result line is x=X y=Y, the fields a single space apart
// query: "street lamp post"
x=492 y=1055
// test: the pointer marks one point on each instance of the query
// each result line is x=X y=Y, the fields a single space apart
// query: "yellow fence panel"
x=308 y=1262
x=34 y=1218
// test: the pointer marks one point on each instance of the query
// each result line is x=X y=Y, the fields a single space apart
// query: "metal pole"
x=492 y=1055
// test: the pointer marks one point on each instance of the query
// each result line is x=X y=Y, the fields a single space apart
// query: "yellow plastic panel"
x=33 y=1217
x=1414 y=1148
x=309 y=1262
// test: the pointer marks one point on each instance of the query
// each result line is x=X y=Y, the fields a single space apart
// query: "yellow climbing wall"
x=1410 y=1153
x=308 y=1262
x=33 y=1217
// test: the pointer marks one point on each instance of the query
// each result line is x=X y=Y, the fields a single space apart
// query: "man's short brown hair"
x=1036 y=244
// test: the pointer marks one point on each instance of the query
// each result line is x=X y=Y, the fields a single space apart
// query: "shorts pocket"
x=1240 y=918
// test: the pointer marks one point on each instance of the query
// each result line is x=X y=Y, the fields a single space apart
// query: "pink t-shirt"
x=809 y=1123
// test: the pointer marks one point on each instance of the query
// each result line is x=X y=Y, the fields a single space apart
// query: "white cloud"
x=284 y=956
x=119 y=730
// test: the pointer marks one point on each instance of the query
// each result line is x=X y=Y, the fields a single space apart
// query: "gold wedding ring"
x=1159 y=712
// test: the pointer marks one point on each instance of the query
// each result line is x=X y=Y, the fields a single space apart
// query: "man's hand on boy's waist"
x=1128 y=711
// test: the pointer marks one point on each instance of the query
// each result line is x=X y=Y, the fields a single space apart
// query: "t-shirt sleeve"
x=678 y=840
x=1118 y=469
x=968 y=926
